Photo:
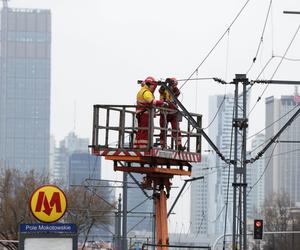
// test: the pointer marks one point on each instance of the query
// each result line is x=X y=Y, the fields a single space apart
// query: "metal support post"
x=124 y=224
x=244 y=166
x=236 y=98
x=240 y=172
x=161 y=220
x=118 y=225
x=154 y=224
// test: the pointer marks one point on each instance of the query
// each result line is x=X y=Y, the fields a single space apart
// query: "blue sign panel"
x=48 y=228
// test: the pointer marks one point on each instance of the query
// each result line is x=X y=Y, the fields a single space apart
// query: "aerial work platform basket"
x=114 y=131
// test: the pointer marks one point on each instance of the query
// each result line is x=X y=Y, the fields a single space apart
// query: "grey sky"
x=100 y=48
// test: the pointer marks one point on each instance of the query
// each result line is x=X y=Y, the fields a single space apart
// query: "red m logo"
x=42 y=201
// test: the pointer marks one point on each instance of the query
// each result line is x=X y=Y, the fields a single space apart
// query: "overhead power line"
x=288 y=58
x=216 y=44
x=275 y=137
x=286 y=51
x=271 y=124
x=261 y=38
x=279 y=64
x=215 y=116
x=264 y=171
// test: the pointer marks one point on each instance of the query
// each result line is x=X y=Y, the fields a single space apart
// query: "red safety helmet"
x=173 y=81
x=150 y=80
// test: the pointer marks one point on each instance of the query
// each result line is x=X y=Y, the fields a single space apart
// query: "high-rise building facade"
x=282 y=167
x=199 y=198
x=140 y=218
x=221 y=133
x=60 y=158
x=257 y=184
x=83 y=166
x=25 y=88
x=221 y=112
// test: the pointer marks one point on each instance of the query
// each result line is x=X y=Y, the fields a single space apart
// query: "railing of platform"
x=115 y=127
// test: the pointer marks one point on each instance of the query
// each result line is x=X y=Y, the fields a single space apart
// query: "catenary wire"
x=286 y=51
x=200 y=225
x=264 y=171
x=227 y=56
x=279 y=64
x=259 y=98
x=218 y=216
x=228 y=180
x=288 y=58
x=261 y=38
x=271 y=124
x=216 y=44
x=196 y=79
x=215 y=116
x=283 y=153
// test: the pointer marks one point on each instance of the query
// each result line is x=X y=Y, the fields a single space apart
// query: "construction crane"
x=114 y=129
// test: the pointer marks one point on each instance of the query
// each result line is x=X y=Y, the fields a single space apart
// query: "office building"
x=199 y=198
x=83 y=166
x=139 y=220
x=220 y=202
x=60 y=158
x=256 y=186
x=25 y=88
x=282 y=164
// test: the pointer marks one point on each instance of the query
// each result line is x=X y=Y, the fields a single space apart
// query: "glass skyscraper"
x=220 y=180
x=199 y=198
x=25 y=88
x=282 y=165
x=83 y=166
x=256 y=170
x=139 y=219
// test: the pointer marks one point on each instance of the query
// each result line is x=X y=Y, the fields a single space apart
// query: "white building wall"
x=283 y=171
x=60 y=156
x=199 y=198
x=221 y=179
x=256 y=171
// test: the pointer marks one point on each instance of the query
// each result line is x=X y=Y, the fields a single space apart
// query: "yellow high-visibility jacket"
x=146 y=98
x=165 y=95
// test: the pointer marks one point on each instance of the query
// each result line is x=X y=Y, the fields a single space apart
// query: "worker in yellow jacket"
x=170 y=116
x=145 y=99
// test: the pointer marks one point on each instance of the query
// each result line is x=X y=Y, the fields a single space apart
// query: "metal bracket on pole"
x=180 y=192
x=274 y=138
x=188 y=116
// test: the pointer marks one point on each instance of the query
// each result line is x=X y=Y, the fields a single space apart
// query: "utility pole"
x=240 y=172
x=118 y=225
x=153 y=223
x=244 y=162
x=124 y=224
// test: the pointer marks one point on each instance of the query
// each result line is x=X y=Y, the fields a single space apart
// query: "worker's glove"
x=161 y=89
x=165 y=105
x=169 y=81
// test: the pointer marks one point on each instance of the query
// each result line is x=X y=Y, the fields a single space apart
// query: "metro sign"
x=48 y=203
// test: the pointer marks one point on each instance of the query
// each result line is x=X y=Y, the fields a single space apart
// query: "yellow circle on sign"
x=48 y=203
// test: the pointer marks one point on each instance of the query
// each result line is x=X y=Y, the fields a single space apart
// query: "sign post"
x=48 y=204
